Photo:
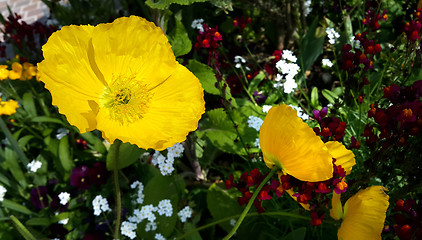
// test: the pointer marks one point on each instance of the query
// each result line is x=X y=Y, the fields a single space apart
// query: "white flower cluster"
x=326 y=62
x=255 y=122
x=34 y=165
x=3 y=191
x=332 y=35
x=100 y=204
x=151 y=226
x=197 y=24
x=300 y=112
x=165 y=208
x=266 y=108
x=233 y=222
x=128 y=229
x=256 y=143
x=288 y=71
x=140 y=194
x=64 y=198
x=354 y=43
x=185 y=213
x=158 y=236
x=239 y=61
x=166 y=164
x=307 y=7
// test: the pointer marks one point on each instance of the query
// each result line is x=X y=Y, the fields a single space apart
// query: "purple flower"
x=39 y=197
x=80 y=178
x=98 y=174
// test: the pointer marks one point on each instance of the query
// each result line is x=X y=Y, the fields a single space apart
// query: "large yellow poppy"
x=122 y=79
x=290 y=144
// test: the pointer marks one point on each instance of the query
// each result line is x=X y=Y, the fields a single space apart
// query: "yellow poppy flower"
x=4 y=73
x=16 y=71
x=363 y=214
x=290 y=144
x=8 y=108
x=122 y=78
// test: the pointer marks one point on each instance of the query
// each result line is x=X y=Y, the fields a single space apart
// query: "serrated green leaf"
x=29 y=105
x=205 y=75
x=223 y=204
x=179 y=39
x=165 y=4
x=127 y=155
x=65 y=155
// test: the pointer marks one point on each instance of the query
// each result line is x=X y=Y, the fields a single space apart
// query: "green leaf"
x=165 y=4
x=205 y=75
x=65 y=155
x=314 y=97
x=179 y=39
x=223 y=204
x=29 y=105
x=329 y=95
x=12 y=164
x=297 y=234
x=38 y=221
x=95 y=141
x=45 y=119
x=22 y=229
x=6 y=203
x=255 y=82
x=127 y=155
x=310 y=47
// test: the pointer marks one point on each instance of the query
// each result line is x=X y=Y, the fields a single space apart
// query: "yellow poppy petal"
x=343 y=156
x=16 y=72
x=67 y=74
x=8 y=108
x=336 y=211
x=289 y=143
x=170 y=116
x=364 y=214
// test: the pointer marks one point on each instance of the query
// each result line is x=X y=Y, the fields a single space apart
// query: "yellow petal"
x=289 y=143
x=16 y=72
x=67 y=74
x=4 y=73
x=8 y=108
x=343 y=156
x=364 y=214
x=336 y=211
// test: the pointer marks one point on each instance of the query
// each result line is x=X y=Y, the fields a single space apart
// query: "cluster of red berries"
x=249 y=182
x=407 y=218
x=23 y=35
x=330 y=128
x=352 y=60
x=412 y=29
x=402 y=119
x=242 y=21
x=373 y=17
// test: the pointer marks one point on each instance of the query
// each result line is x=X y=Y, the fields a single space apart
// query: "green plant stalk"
x=117 y=190
x=22 y=229
x=13 y=142
x=246 y=210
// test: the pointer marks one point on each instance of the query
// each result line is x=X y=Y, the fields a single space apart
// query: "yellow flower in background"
x=290 y=144
x=122 y=78
x=4 y=73
x=16 y=71
x=363 y=214
x=8 y=108
x=29 y=71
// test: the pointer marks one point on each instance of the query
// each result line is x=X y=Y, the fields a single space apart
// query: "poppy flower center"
x=126 y=99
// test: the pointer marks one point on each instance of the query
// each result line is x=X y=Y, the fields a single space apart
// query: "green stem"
x=117 y=189
x=13 y=142
x=246 y=210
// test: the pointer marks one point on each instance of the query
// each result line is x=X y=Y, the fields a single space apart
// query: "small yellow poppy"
x=8 y=108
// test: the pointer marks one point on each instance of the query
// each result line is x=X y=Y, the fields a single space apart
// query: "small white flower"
x=64 y=221
x=255 y=122
x=176 y=150
x=332 y=35
x=151 y=226
x=128 y=229
x=185 y=213
x=256 y=143
x=147 y=212
x=233 y=222
x=61 y=132
x=266 y=108
x=64 y=198
x=326 y=62
x=289 y=86
x=288 y=55
x=300 y=112
x=34 y=165
x=3 y=191
x=239 y=60
x=158 y=236
x=197 y=24
x=307 y=7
